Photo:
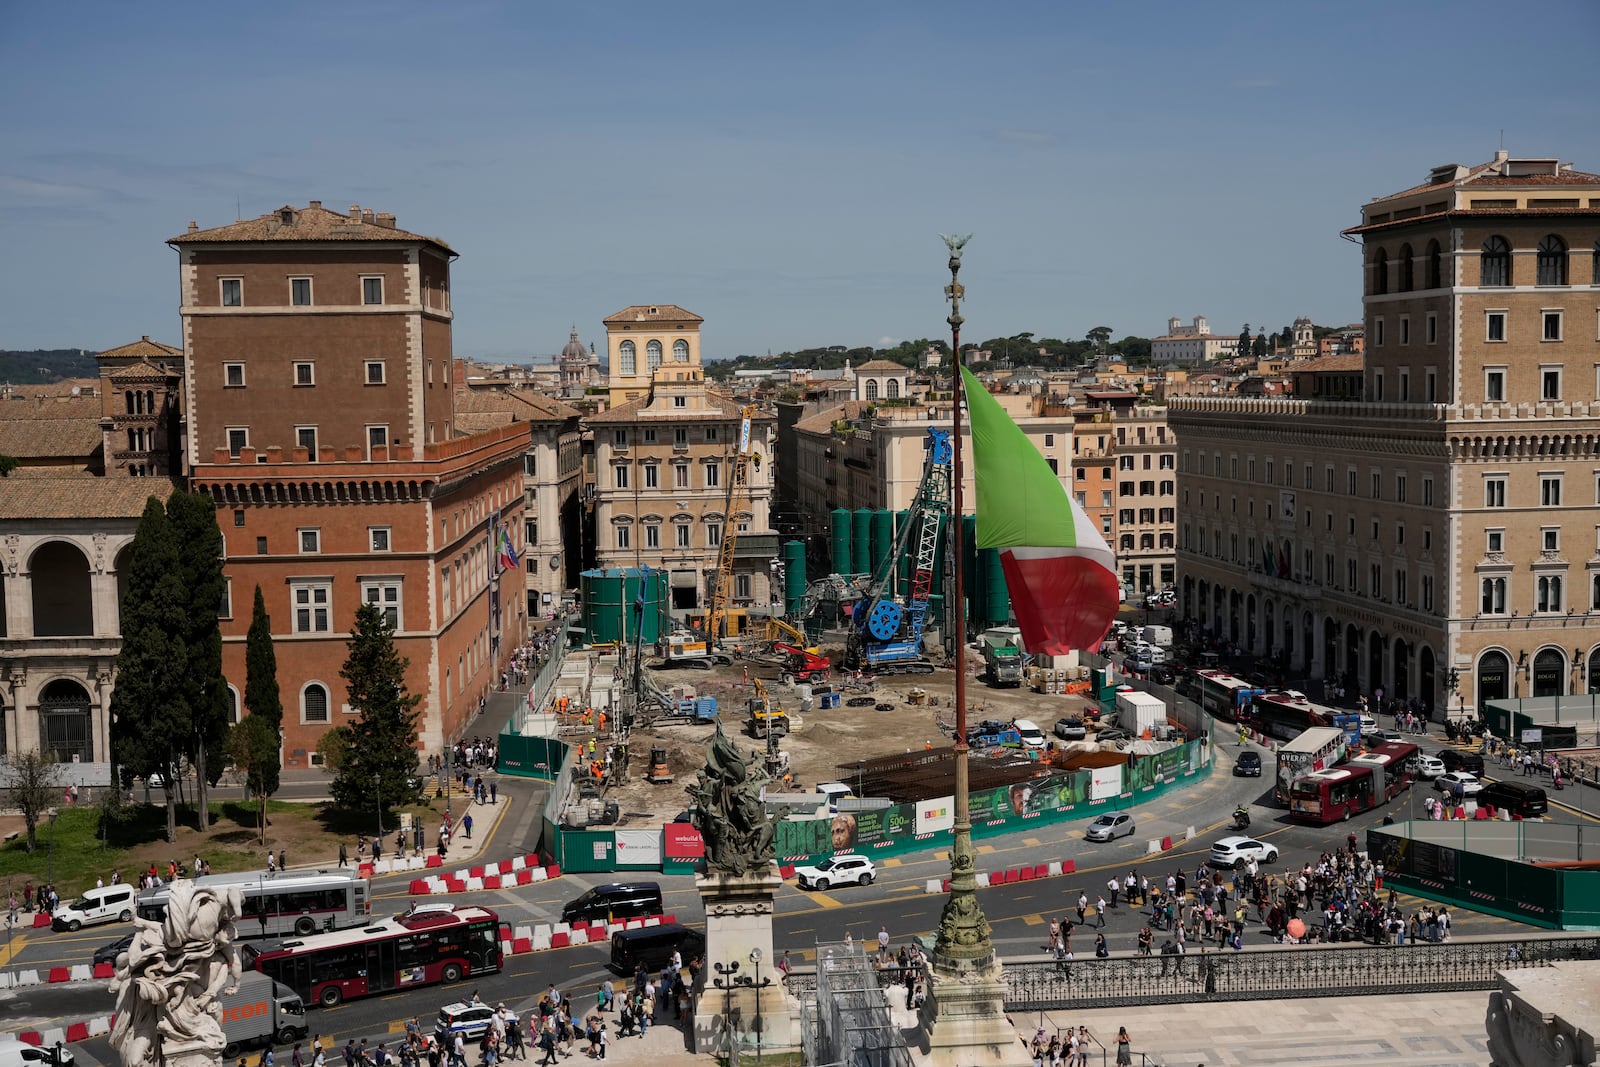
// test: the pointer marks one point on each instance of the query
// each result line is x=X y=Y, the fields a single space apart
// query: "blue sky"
x=782 y=170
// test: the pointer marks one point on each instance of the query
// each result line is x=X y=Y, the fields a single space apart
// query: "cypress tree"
x=379 y=755
x=194 y=525
x=151 y=720
x=261 y=697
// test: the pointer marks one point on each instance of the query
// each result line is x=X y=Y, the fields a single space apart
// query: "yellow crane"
x=738 y=499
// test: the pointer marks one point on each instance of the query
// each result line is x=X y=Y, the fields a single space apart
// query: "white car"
x=1469 y=783
x=1032 y=736
x=1110 y=826
x=840 y=870
x=1238 y=851
x=1427 y=766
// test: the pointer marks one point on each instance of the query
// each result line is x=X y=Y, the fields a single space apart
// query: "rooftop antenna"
x=1502 y=137
x=238 y=212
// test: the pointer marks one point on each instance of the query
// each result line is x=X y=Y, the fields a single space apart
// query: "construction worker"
x=591 y=746
x=602 y=720
x=586 y=718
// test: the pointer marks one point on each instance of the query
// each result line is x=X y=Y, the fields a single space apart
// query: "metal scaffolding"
x=846 y=1021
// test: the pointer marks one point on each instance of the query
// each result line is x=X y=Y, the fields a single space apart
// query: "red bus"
x=420 y=947
x=1336 y=793
x=1394 y=763
x=1285 y=716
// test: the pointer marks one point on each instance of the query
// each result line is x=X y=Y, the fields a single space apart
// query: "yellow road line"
x=14 y=944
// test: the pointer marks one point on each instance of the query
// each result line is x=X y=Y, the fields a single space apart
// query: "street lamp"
x=726 y=979
x=759 y=984
x=53 y=814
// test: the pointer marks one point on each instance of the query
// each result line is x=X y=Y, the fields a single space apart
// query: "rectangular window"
x=377 y=437
x=238 y=516
x=649 y=436
x=620 y=475
x=530 y=531
x=1494 y=491
x=1550 y=491
x=300 y=292
x=1427 y=491
x=1494 y=385
x=1405 y=386
x=1427 y=592
x=619 y=438
x=680 y=535
x=713 y=433
x=233 y=375
x=1494 y=541
x=313 y=606
x=652 y=536
x=385 y=594
x=1549 y=383
x=1431 y=328
x=1049 y=440
x=378 y=538
x=1125 y=463
x=1552 y=326
x=680 y=476
x=238 y=440
x=1350 y=482
x=374 y=372
x=530 y=464
x=1494 y=328
x=624 y=539
x=305 y=374
x=1377 y=485
x=306 y=437
x=1550 y=539
x=680 y=437
x=1399 y=488
x=1430 y=386
x=713 y=475
x=713 y=534
x=1377 y=331
x=1405 y=329
x=652 y=476
x=261 y=546
x=232 y=292
x=225 y=608
x=372 y=289
x=310 y=541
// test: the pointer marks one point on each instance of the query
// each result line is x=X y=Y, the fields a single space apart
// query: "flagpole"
x=963 y=945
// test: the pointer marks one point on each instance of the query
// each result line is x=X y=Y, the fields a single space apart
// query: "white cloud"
x=887 y=341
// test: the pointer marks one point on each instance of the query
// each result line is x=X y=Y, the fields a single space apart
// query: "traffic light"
x=1455 y=679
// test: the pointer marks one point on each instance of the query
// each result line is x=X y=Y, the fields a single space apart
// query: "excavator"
x=765 y=718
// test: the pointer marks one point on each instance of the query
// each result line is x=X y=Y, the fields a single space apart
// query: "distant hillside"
x=41 y=366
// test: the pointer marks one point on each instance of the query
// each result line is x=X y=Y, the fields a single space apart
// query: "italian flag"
x=1060 y=572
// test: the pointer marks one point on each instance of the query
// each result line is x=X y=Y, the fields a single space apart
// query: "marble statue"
x=732 y=817
x=168 y=981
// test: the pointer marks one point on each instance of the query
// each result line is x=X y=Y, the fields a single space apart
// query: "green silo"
x=902 y=566
x=794 y=578
x=611 y=604
x=882 y=538
x=996 y=597
x=840 y=541
x=861 y=540
x=971 y=574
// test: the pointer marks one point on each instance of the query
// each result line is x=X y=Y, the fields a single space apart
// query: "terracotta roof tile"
x=883 y=366
x=641 y=313
x=143 y=370
x=143 y=348
x=823 y=420
x=80 y=496
x=719 y=406
x=310 y=223
x=1322 y=364
x=522 y=405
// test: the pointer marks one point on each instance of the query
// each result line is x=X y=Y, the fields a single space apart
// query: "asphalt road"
x=1019 y=913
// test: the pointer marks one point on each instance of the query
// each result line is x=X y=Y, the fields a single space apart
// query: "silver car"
x=1110 y=826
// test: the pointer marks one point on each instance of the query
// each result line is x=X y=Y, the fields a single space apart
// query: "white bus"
x=284 y=902
x=1315 y=749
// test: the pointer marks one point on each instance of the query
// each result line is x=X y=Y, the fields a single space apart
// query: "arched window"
x=652 y=355
x=628 y=359
x=894 y=389
x=1494 y=677
x=1552 y=261
x=1380 y=272
x=232 y=695
x=1406 y=275
x=872 y=388
x=1549 y=593
x=314 y=703
x=680 y=351
x=1494 y=264
x=127 y=399
x=1494 y=597
x=1435 y=271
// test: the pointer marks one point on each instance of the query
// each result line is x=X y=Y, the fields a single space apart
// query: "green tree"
x=378 y=761
x=8 y=464
x=151 y=721
x=1261 y=349
x=33 y=778
x=252 y=743
x=1243 y=349
x=261 y=697
x=194 y=526
x=1098 y=337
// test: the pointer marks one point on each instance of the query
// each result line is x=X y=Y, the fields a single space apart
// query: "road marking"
x=891 y=862
x=822 y=900
x=1033 y=841
x=986 y=850
x=1033 y=920
x=14 y=944
x=397 y=1026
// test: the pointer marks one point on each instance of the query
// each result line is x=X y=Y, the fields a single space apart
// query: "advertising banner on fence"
x=680 y=840
x=936 y=816
x=1105 y=782
x=639 y=848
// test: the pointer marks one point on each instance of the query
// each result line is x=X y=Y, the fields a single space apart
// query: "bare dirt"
x=822 y=744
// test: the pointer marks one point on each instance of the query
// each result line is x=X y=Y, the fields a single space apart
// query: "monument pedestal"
x=739 y=923
x=963 y=1022
x=1545 y=1017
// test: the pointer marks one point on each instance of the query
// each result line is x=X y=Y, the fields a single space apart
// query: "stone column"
x=739 y=923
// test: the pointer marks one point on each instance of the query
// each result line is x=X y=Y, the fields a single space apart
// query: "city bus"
x=428 y=945
x=1393 y=762
x=1284 y=716
x=1312 y=750
x=1217 y=692
x=281 y=903
x=1337 y=793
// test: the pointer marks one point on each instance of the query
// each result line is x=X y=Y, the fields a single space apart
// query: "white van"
x=15 y=1053
x=107 y=904
x=834 y=791
x=1160 y=636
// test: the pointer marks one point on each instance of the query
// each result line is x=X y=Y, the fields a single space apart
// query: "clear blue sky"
x=782 y=170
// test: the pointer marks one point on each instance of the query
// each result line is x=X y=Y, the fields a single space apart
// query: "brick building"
x=320 y=405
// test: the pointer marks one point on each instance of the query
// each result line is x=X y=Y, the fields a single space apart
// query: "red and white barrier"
x=1053 y=869
x=79 y=1031
x=521 y=870
x=81 y=972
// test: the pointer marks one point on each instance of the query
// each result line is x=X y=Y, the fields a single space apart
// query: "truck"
x=261 y=1012
x=690 y=648
x=1138 y=712
x=1002 y=656
x=1159 y=636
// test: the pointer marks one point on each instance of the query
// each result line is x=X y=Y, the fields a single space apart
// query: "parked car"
x=1428 y=767
x=109 y=953
x=1377 y=735
x=1248 y=765
x=1456 y=760
x=1162 y=674
x=1238 y=851
x=468 y=1020
x=840 y=870
x=1469 y=783
x=1071 y=728
x=1032 y=736
x=1110 y=826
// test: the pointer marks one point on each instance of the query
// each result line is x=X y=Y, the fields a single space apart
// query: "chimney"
x=355 y=212
x=386 y=220
x=194 y=227
x=315 y=205
x=369 y=217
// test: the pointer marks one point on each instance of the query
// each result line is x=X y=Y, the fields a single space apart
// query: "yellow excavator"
x=765 y=718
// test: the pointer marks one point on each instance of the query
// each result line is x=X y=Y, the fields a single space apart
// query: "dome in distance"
x=574 y=348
